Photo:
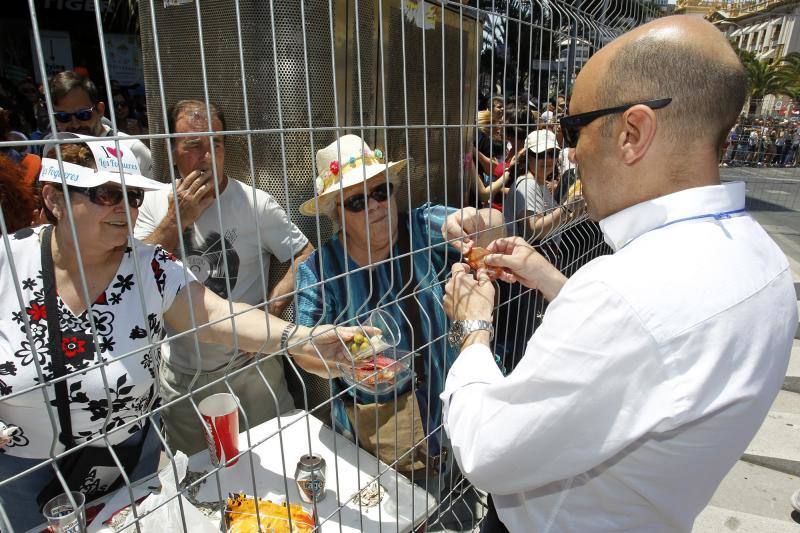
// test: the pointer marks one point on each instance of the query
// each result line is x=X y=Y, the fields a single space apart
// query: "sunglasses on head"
x=81 y=114
x=357 y=203
x=571 y=124
x=107 y=196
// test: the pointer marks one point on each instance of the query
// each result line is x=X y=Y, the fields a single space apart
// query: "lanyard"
x=715 y=216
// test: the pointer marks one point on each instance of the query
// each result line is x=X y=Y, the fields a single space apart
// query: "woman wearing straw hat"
x=395 y=264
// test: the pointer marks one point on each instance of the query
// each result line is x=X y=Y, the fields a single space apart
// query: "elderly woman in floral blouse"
x=133 y=289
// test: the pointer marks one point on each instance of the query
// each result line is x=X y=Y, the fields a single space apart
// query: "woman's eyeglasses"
x=571 y=124
x=81 y=114
x=357 y=203
x=108 y=196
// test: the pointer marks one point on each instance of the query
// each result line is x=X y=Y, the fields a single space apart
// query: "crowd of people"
x=25 y=101
x=627 y=381
x=762 y=142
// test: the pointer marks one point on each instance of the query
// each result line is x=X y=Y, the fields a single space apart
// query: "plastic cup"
x=64 y=517
x=221 y=420
x=390 y=331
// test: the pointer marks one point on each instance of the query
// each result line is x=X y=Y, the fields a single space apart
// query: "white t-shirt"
x=122 y=328
x=524 y=198
x=240 y=217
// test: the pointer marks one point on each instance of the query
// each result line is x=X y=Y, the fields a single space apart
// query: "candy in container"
x=379 y=374
x=240 y=516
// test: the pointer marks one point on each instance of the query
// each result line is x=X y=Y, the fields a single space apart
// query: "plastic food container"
x=380 y=374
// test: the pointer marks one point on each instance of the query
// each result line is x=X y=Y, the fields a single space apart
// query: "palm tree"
x=790 y=72
x=765 y=78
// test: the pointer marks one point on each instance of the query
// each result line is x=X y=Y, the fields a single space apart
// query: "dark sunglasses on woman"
x=80 y=114
x=571 y=124
x=107 y=196
x=357 y=203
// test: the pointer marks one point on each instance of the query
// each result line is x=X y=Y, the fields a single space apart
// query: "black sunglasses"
x=107 y=196
x=81 y=114
x=571 y=124
x=357 y=203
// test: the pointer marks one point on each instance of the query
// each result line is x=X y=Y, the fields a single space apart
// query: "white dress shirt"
x=651 y=372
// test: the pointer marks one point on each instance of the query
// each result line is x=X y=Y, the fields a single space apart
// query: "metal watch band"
x=461 y=328
x=285 y=335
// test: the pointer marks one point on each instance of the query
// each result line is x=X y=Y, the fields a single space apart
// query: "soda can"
x=310 y=477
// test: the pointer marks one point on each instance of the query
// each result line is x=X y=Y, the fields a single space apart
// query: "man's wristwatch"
x=461 y=328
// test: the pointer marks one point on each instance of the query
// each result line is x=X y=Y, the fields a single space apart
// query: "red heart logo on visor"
x=114 y=153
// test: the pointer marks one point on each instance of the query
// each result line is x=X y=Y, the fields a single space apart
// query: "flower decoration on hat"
x=335 y=169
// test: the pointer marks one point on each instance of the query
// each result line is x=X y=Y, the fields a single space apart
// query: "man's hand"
x=195 y=194
x=467 y=298
x=471 y=226
x=521 y=263
x=327 y=347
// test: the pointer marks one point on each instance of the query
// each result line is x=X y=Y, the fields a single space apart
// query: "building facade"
x=769 y=29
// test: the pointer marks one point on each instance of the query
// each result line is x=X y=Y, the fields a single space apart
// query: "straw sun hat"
x=358 y=163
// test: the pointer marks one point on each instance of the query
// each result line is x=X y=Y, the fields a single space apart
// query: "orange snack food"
x=241 y=516
x=378 y=371
x=476 y=259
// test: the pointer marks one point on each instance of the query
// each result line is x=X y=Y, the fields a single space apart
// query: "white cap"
x=105 y=155
x=541 y=140
x=105 y=152
x=79 y=176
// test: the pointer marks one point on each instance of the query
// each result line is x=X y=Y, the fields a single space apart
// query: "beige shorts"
x=182 y=423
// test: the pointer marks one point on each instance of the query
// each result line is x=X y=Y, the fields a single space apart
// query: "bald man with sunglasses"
x=646 y=380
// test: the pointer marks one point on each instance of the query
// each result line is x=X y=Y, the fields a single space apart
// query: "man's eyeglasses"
x=571 y=124
x=108 y=196
x=81 y=114
x=357 y=203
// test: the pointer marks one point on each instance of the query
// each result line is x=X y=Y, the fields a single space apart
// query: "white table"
x=346 y=475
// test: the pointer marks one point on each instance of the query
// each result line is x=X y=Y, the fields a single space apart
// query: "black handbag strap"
x=54 y=336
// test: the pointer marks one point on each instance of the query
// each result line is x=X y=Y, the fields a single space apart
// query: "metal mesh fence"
x=163 y=328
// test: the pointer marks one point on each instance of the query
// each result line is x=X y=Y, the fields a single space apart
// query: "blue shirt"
x=348 y=299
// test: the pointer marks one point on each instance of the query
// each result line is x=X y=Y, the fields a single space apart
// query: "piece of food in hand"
x=574 y=190
x=476 y=259
x=380 y=370
x=8 y=431
x=363 y=347
x=240 y=515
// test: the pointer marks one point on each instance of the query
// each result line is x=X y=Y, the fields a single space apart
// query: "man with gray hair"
x=646 y=380
x=229 y=252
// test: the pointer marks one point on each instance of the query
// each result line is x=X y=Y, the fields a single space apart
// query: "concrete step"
x=786 y=402
x=777 y=443
x=718 y=520
x=792 y=380
x=794 y=361
x=753 y=499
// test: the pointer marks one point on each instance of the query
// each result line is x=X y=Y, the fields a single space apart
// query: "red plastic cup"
x=221 y=421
